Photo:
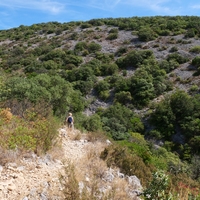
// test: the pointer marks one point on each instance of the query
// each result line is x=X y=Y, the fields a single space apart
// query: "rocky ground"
x=32 y=177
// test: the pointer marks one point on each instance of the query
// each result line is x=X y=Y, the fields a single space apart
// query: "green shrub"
x=94 y=47
x=112 y=36
x=146 y=34
x=138 y=146
x=128 y=163
x=113 y=30
x=196 y=63
x=104 y=95
x=174 y=49
x=177 y=57
x=159 y=186
x=108 y=69
x=79 y=47
x=102 y=86
x=93 y=123
x=123 y=97
x=121 y=51
x=195 y=49
x=85 y=25
x=32 y=132
x=134 y=58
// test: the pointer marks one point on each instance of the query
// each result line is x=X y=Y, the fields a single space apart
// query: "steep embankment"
x=31 y=177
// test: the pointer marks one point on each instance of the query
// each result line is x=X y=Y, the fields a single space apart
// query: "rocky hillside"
x=30 y=177
x=135 y=80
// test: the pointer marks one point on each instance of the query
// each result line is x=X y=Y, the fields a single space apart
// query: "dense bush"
x=28 y=133
x=129 y=164
x=178 y=114
x=53 y=89
x=118 y=120
x=146 y=34
x=94 y=47
x=195 y=49
x=112 y=36
x=134 y=58
x=177 y=57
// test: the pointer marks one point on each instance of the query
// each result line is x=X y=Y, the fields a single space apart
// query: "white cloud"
x=161 y=7
x=45 y=5
x=158 y=6
x=195 y=6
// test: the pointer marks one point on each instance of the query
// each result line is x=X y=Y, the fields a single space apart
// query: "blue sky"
x=14 y=13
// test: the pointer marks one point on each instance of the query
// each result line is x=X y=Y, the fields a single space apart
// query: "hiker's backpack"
x=69 y=120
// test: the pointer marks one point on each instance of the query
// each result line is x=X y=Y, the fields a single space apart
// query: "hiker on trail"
x=70 y=121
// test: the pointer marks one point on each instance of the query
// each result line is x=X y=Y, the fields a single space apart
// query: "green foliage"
x=158 y=188
x=84 y=87
x=196 y=61
x=120 y=83
x=72 y=59
x=178 y=114
x=93 y=123
x=139 y=147
x=177 y=57
x=134 y=58
x=190 y=33
x=146 y=34
x=163 y=118
x=27 y=133
x=128 y=163
x=181 y=104
x=104 y=95
x=102 y=86
x=54 y=54
x=118 y=120
x=112 y=36
x=108 y=69
x=3 y=91
x=142 y=90
x=121 y=51
x=195 y=49
x=113 y=30
x=174 y=49
x=79 y=47
x=76 y=102
x=94 y=47
x=168 y=66
x=85 y=25
x=194 y=167
x=123 y=97
x=194 y=89
x=35 y=62
x=52 y=89
x=83 y=73
x=105 y=58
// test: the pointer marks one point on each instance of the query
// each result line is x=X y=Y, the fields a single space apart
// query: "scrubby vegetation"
x=126 y=73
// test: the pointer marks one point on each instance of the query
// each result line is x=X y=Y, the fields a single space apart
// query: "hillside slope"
x=32 y=177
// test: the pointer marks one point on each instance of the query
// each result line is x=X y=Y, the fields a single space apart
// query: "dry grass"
x=91 y=170
x=56 y=151
x=7 y=156
x=96 y=136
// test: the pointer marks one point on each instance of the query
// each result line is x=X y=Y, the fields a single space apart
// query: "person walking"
x=70 y=121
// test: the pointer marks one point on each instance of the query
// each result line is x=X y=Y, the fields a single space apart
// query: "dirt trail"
x=34 y=177
x=38 y=178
